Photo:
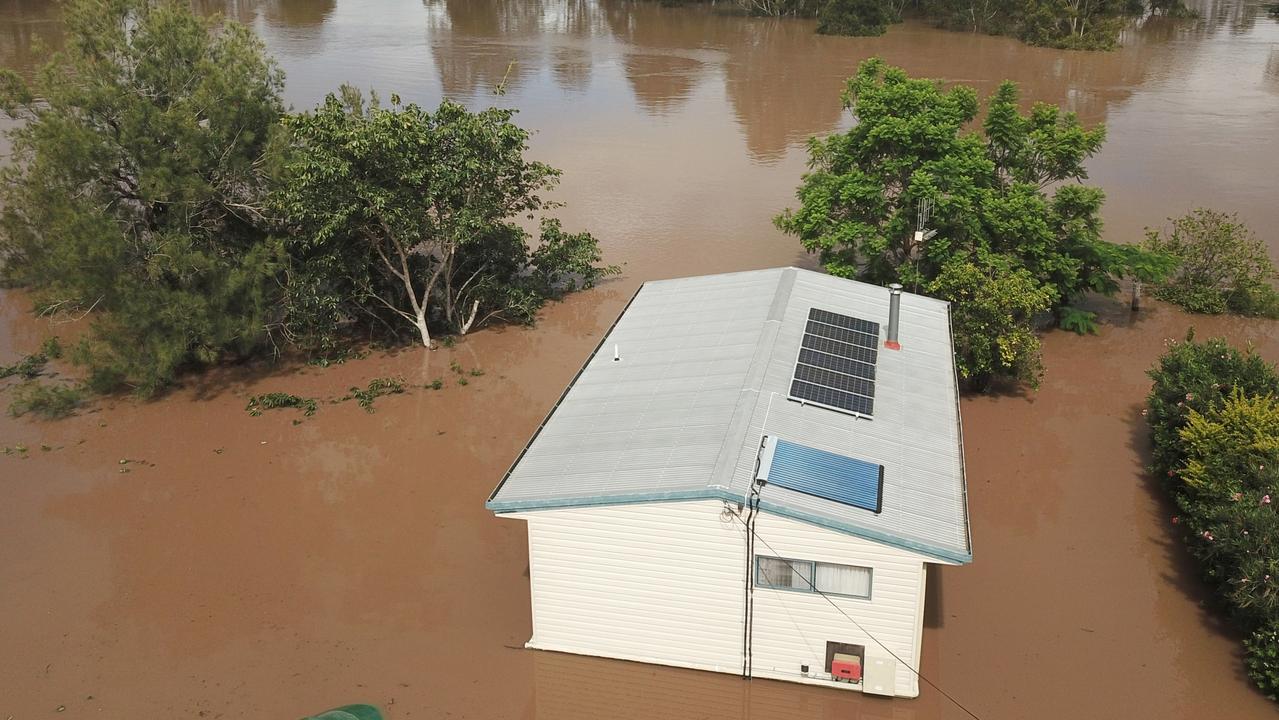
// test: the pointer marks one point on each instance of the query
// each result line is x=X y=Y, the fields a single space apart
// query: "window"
x=808 y=576
x=843 y=580
x=786 y=574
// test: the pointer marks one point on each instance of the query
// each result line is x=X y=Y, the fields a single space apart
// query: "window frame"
x=812 y=588
x=870 y=581
x=812 y=574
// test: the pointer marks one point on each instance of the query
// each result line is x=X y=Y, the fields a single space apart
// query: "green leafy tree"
x=988 y=192
x=855 y=17
x=993 y=305
x=1074 y=24
x=137 y=187
x=403 y=219
x=858 y=201
x=1221 y=266
x=995 y=17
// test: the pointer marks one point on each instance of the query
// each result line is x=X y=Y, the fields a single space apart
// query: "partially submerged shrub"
x=853 y=17
x=1214 y=422
x=48 y=402
x=278 y=400
x=51 y=348
x=377 y=388
x=1263 y=659
x=27 y=368
x=1198 y=376
x=1224 y=488
x=1221 y=266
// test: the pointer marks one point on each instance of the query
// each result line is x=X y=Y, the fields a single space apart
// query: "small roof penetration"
x=823 y=474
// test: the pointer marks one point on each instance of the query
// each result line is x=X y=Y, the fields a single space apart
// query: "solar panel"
x=825 y=475
x=836 y=365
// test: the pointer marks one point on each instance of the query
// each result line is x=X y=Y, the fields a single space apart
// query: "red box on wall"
x=846 y=667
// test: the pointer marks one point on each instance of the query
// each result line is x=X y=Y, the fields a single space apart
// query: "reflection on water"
x=286 y=13
x=29 y=30
x=681 y=131
x=780 y=81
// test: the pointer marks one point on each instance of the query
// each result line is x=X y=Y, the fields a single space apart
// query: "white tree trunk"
x=420 y=321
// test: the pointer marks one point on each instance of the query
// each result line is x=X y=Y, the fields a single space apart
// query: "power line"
x=868 y=634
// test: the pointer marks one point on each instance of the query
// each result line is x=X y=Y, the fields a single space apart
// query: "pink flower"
x=1171 y=473
x=1190 y=396
x=1207 y=535
x=1265 y=499
x=1175 y=519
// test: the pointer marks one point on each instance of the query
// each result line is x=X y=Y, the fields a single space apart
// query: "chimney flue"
x=894 y=316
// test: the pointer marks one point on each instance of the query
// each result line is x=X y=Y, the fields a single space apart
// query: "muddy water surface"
x=246 y=567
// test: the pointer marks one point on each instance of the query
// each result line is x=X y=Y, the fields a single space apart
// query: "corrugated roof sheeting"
x=705 y=371
x=654 y=421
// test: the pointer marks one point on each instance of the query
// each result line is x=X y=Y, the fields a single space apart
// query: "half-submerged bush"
x=1221 y=266
x=1214 y=421
x=1263 y=659
x=376 y=389
x=26 y=368
x=48 y=402
x=278 y=400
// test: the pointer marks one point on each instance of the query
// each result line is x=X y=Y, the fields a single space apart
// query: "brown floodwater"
x=179 y=558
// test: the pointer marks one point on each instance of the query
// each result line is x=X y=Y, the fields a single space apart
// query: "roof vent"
x=894 y=316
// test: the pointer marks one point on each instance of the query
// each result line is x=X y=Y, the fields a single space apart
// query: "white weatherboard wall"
x=792 y=628
x=657 y=582
x=664 y=583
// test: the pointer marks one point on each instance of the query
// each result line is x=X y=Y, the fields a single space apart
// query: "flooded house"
x=751 y=474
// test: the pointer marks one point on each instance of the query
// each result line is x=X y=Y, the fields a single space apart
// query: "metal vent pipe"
x=894 y=316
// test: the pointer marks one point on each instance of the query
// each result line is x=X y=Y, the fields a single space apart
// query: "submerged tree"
x=1222 y=266
x=137 y=185
x=986 y=195
x=404 y=219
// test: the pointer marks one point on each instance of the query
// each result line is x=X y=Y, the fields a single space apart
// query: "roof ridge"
x=749 y=394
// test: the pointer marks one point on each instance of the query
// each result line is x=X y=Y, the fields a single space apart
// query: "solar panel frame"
x=843 y=335
x=835 y=380
x=844 y=351
x=868 y=327
x=836 y=364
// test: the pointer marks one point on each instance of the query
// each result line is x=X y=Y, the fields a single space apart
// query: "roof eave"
x=946 y=555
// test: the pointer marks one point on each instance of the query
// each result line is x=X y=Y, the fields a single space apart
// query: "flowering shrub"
x=1197 y=376
x=1263 y=659
x=1214 y=421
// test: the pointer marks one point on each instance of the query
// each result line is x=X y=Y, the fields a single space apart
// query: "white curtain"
x=843 y=579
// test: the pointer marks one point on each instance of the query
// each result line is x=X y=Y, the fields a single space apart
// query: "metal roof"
x=703 y=377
